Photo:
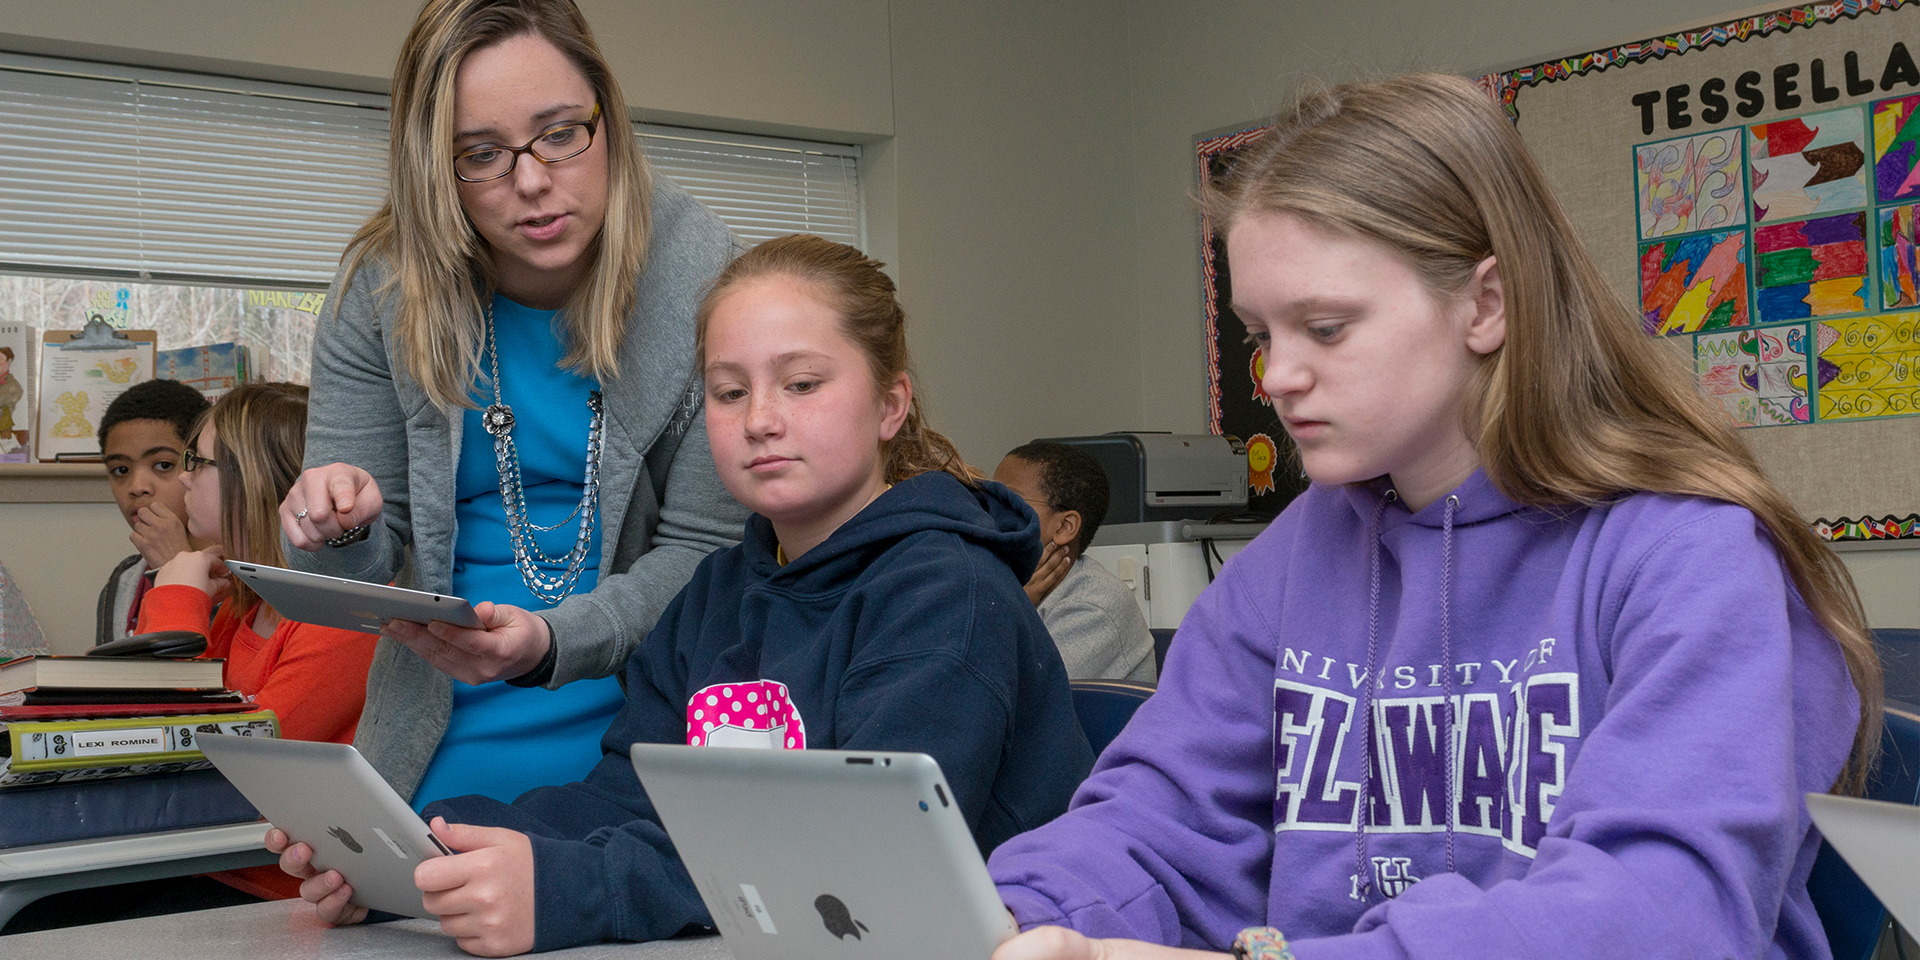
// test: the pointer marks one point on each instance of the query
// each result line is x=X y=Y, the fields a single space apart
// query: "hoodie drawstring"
x=1446 y=654
x=1362 y=864
x=1364 y=802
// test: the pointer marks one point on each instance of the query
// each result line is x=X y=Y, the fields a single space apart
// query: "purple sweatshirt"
x=1639 y=699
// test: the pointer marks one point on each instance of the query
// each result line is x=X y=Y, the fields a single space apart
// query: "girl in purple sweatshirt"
x=1540 y=665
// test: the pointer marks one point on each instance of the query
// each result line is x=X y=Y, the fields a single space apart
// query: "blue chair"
x=1105 y=706
x=1852 y=915
x=1162 y=638
x=1900 y=659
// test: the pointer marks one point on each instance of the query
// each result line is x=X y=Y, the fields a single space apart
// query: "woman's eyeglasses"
x=191 y=461
x=562 y=141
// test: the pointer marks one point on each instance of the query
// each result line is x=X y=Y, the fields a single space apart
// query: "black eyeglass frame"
x=513 y=153
x=191 y=461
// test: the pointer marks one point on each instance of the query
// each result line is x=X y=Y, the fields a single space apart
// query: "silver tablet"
x=348 y=604
x=327 y=795
x=826 y=854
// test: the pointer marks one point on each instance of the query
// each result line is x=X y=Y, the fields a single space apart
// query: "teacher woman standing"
x=505 y=405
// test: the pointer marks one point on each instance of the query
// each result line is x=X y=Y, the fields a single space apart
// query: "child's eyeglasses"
x=191 y=461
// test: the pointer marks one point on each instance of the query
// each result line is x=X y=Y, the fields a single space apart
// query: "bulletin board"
x=1752 y=187
x=1236 y=404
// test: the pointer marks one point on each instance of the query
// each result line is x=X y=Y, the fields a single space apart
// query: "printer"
x=1170 y=496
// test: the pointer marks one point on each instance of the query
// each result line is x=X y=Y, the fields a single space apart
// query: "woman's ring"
x=302 y=515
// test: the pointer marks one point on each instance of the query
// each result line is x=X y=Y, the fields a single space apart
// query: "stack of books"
x=88 y=718
x=97 y=746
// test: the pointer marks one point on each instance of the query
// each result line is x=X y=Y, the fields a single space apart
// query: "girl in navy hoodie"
x=875 y=603
x=1540 y=666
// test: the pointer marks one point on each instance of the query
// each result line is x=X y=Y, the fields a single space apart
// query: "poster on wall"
x=1751 y=187
x=1236 y=403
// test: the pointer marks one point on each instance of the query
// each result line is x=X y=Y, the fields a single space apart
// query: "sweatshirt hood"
x=1479 y=500
x=988 y=515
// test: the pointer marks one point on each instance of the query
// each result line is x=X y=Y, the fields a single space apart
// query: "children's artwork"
x=1690 y=184
x=18 y=352
x=1869 y=366
x=214 y=369
x=1810 y=268
x=1808 y=165
x=1759 y=375
x=1718 y=360
x=1692 y=284
x=79 y=376
x=1898 y=286
x=1896 y=138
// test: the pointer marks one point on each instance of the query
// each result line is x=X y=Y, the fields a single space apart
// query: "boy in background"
x=142 y=435
x=1091 y=614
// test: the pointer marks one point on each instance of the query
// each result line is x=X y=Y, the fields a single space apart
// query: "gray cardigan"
x=658 y=486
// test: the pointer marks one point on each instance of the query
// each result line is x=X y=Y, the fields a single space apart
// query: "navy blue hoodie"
x=907 y=629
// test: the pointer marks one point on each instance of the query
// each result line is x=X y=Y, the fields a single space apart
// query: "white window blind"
x=138 y=174
x=113 y=172
x=763 y=187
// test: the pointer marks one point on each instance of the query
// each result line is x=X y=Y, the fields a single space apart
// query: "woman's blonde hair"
x=423 y=233
x=1579 y=406
x=853 y=285
x=259 y=441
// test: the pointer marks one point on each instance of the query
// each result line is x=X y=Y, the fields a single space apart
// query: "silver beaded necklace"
x=527 y=555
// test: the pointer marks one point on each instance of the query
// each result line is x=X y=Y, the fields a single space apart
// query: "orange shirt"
x=314 y=678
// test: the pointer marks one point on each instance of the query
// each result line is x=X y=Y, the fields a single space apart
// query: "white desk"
x=29 y=873
x=288 y=929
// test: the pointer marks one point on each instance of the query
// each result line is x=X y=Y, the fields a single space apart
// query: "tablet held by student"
x=874 y=603
x=1540 y=665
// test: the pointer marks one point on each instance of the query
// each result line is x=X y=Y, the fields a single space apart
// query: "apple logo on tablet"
x=837 y=917
x=341 y=834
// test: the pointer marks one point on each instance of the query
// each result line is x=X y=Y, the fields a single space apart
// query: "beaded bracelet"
x=1261 y=943
x=351 y=537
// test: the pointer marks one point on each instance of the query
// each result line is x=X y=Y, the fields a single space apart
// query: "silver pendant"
x=498 y=419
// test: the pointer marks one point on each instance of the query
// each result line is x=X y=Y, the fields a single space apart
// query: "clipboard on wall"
x=81 y=372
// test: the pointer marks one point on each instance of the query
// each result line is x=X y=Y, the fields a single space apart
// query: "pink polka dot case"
x=757 y=713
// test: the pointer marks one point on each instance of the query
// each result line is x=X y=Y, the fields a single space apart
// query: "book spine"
x=74 y=744
x=10 y=777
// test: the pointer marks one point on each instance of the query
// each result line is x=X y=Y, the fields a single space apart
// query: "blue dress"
x=504 y=740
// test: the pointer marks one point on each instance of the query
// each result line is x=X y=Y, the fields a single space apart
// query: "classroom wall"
x=1201 y=67
x=1027 y=165
x=994 y=173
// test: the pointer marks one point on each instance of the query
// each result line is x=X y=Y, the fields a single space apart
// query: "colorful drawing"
x=1810 y=268
x=1780 y=378
x=1720 y=360
x=1759 y=375
x=1808 y=165
x=1694 y=283
x=1869 y=366
x=1690 y=183
x=1898 y=268
x=1896 y=140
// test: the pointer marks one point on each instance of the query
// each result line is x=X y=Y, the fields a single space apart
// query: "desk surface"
x=288 y=928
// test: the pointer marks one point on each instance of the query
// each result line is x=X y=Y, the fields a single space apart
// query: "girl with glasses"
x=240 y=460
x=505 y=406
